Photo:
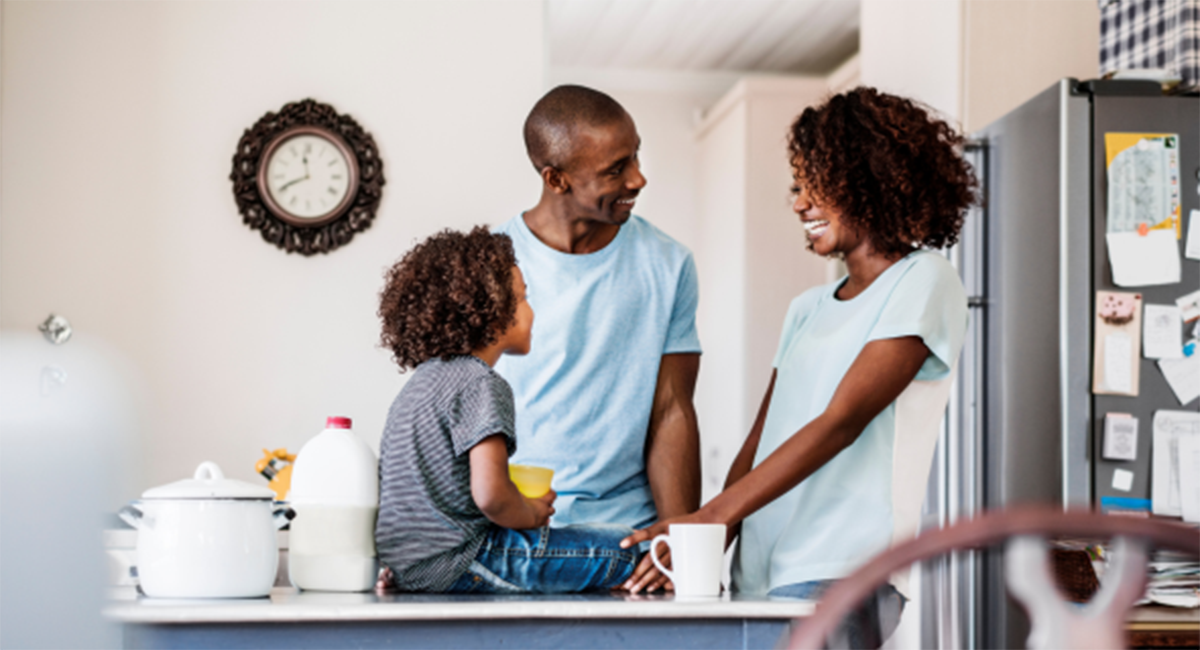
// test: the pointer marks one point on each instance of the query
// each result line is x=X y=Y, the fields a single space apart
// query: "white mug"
x=697 y=555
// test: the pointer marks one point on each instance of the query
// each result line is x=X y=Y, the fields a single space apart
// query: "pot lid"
x=209 y=482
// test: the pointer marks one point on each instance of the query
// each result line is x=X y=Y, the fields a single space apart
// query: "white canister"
x=206 y=537
x=335 y=495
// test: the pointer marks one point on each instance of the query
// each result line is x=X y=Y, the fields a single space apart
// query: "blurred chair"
x=1055 y=623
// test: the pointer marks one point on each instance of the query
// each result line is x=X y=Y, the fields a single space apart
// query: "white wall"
x=913 y=48
x=975 y=60
x=119 y=125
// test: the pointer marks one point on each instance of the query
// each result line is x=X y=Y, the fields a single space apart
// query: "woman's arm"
x=881 y=372
x=744 y=461
x=495 y=493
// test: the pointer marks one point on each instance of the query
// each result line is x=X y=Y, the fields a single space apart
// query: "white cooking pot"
x=206 y=537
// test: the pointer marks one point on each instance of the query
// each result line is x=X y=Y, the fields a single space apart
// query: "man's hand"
x=647 y=576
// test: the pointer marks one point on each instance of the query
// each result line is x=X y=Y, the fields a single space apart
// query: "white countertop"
x=287 y=604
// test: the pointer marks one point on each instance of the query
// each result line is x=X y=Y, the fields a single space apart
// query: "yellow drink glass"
x=533 y=482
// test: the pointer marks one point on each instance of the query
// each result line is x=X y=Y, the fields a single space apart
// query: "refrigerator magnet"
x=1117 y=344
x=1120 y=436
x=1122 y=480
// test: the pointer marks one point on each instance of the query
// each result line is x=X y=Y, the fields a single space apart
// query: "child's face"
x=519 y=336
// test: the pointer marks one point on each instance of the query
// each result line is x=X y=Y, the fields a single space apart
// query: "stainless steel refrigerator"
x=1023 y=425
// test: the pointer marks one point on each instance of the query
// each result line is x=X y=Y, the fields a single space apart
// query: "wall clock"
x=307 y=178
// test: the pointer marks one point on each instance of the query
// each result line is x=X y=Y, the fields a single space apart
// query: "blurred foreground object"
x=1055 y=623
x=67 y=423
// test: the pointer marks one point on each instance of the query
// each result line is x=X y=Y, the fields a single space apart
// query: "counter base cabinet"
x=464 y=635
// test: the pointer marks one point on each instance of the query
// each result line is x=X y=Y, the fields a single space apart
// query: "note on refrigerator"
x=1192 y=249
x=1118 y=367
x=1143 y=182
x=1143 y=208
x=1120 y=436
x=1168 y=465
x=1162 y=332
x=1189 y=478
x=1183 y=376
x=1117 y=343
x=1143 y=260
x=1189 y=306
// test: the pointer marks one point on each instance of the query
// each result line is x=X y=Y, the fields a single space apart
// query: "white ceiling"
x=797 y=36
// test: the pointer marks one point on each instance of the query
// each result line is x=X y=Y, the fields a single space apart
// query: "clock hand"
x=293 y=182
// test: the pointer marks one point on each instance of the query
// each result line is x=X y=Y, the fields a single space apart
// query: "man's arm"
x=673 y=439
x=672 y=452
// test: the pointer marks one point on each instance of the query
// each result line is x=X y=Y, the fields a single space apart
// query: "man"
x=605 y=396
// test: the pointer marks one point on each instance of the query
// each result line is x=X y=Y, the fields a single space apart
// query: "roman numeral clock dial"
x=311 y=185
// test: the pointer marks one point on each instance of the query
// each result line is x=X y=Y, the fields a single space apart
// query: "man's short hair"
x=555 y=119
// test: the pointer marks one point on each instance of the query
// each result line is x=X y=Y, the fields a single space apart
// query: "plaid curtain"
x=1151 y=34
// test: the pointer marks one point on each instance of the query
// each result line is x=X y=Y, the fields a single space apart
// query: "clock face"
x=309 y=176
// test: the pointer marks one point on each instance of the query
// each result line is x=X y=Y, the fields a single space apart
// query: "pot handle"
x=208 y=471
x=283 y=516
x=132 y=514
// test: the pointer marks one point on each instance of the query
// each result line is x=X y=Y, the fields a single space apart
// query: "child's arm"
x=495 y=493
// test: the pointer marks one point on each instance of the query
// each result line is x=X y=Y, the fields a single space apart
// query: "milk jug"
x=335 y=493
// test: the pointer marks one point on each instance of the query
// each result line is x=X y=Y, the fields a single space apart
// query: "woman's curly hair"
x=451 y=294
x=893 y=170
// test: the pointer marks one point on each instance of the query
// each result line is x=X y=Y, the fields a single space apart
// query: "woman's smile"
x=815 y=228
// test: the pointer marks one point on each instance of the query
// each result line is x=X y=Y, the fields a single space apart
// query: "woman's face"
x=828 y=234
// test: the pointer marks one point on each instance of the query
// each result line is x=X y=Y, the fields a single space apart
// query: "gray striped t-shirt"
x=429 y=528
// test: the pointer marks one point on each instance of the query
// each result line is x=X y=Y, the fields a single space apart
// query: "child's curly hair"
x=893 y=170
x=449 y=295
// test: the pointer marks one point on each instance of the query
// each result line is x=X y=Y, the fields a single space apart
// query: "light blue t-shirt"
x=602 y=322
x=844 y=513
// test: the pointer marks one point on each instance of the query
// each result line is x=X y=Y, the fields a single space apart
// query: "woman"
x=825 y=479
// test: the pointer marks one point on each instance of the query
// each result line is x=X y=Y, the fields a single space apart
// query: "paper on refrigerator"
x=1191 y=249
x=1168 y=495
x=1162 y=333
x=1140 y=261
x=1183 y=376
x=1143 y=220
x=1117 y=346
x=1189 y=478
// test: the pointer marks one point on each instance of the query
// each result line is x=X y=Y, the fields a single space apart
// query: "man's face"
x=603 y=175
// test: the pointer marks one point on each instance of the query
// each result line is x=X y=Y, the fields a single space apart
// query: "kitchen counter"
x=294 y=619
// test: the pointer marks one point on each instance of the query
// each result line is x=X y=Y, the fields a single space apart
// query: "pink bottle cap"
x=335 y=422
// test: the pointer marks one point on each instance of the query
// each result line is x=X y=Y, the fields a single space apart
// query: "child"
x=450 y=519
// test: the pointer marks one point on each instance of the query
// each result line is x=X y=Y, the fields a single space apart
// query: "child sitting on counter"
x=450 y=518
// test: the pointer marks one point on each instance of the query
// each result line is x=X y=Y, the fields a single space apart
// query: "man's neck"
x=556 y=228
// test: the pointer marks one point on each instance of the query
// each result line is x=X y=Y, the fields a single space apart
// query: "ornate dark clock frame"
x=260 y=213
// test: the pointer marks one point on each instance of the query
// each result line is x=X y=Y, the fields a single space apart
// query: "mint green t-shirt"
x=851 y=508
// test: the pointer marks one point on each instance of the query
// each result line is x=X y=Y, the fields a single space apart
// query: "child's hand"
x=543 y=508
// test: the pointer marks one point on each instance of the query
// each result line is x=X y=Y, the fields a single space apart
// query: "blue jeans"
x=549 y=561
x=866 y=627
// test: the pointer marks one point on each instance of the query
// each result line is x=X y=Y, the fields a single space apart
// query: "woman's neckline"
x=842 y=282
